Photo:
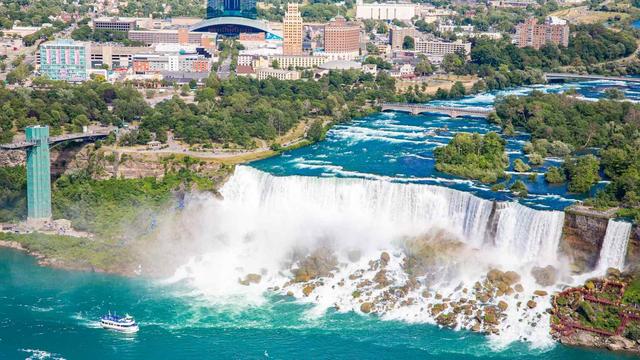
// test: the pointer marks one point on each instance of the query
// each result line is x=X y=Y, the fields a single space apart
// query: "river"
x=328 y=190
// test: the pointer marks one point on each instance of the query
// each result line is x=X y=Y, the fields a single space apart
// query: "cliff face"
x=582 y=236
x=105 y=163
x=633 y=250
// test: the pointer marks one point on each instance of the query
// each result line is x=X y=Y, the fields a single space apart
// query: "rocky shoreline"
x=52 y=262
x=603 y=313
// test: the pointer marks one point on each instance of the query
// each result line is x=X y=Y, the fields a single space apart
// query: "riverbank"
x=602 y=313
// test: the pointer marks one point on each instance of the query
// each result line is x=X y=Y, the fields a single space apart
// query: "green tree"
x=582 y=173
x=520 y=166
x=519 y=188
x=554 y=175
x=473 y=156
x=408 y=43
x=423 y=68
x=316 y=131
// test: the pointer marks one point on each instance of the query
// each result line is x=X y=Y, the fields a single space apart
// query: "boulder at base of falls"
x=494 y=275
x=502 y=305
x=366 y=307
x=384 y=258
x=319 y=263
x=540 y=293
x=381 y=278
x=545 y=276
x=307 y=290
x=448 y=320
x=251 y=279
x=531 y=304
x=432 y=250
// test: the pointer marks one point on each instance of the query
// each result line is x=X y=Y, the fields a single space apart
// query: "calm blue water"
x=399 y=147
x=50 y=314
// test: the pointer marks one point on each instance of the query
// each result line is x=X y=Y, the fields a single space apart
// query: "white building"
x=433 y=47
x=386 y=11
x=298 y=61
x=265 y=73
x=455 y=28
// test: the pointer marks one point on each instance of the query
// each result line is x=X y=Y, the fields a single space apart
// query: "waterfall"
x=264 y=224
x=529 y=233
x=614 y=245
x=382 y=210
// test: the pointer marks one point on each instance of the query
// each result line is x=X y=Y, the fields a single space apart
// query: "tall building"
x=386 y=11
x=342 y=39
x=241 y=8
x=397 y=35
x=292 y=31
x=530 y=33
x=66 y=60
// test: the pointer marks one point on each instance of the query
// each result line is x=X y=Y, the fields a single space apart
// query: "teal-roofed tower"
x=38 y=173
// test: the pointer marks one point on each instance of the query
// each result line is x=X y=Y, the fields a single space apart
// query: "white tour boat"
x=120 y=323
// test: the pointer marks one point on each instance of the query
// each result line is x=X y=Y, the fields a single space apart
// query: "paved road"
x=225 y=69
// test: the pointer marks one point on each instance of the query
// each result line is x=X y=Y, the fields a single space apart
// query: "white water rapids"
x=263 y=221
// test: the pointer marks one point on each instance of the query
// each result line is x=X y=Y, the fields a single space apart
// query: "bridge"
x=454 y=112
x=569 y=76
x=37 y=145
x=78 y=137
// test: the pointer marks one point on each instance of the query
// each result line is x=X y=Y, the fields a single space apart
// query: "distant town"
x=406 y=40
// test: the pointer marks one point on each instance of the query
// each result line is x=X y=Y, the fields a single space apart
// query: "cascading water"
x=264 y=220
x=614 y=245
x=395 y=209
x=527 y=233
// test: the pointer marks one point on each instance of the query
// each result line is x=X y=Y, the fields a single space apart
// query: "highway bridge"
x=77 y=137
x=454 y=112
x=569 y=76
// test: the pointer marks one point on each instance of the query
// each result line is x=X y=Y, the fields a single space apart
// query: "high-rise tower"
x=292 y=31
x=38 y=173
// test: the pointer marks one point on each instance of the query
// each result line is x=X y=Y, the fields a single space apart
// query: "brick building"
x=342 y=39
x=553 y=30
x=292 y=31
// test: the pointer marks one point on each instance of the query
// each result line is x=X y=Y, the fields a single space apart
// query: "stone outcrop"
x=633 y=251
x=11 y=158
x=583 y=233
x=251 y=279
x=105 y=164
x=545 y=276
x=319 y=263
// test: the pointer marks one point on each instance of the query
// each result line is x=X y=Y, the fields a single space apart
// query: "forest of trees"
x=236 y=110
x=589 y=44
x=66 y=106
x=241 y=109
x=564 y=126
x=474 y=156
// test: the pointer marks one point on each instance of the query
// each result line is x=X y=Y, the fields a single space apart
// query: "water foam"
x=264 y=221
